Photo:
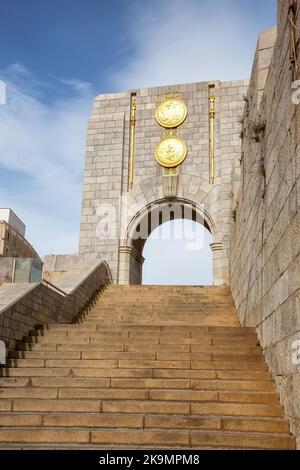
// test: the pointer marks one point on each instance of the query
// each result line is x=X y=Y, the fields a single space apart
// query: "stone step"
x=140 y=341
x=124 y=355
x=29 y=392
x=98 y=326
x=242 y=385
x=72 y=351
x=176 y=301
x=77 y=372
x=114 y=383
x=85 y=355
x=187 y=333
x=120 y=326
x=207 y=362
x=237 y=409
x=201 y=374
x=175 y=298
x=160 y=307
x=228 y=397
x=211 y=408
x=242 y=441
x=183 y=314
x=165 y=292
x=57 y=405
x=14 y=381
x=213 y=365
x=163 y=288
x=224 y=374
x=174 y=356
x=108 y=341
x=143 y=313
x=154 y=367
x=198 y=439
x=194 y=384
x=180 y=320
x=87 y=420
x=151 y=383
x=44 y=393
x=44 y=436
x=185 y=422
x=188 y=298
x=271 y=425
x=148 y=299
x=128 y=406
x=150 y=439
x=169 y=395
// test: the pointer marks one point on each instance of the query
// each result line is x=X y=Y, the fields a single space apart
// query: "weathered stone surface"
x=107 y=164
x=90 y=399
x=265 y=250
x=23 y=306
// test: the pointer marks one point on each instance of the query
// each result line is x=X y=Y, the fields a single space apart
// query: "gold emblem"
x=171 y=113
x=171 y=151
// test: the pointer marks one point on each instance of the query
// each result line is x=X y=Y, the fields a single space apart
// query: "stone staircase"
x=147 y=367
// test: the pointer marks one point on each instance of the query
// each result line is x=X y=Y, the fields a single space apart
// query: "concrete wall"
x=23 y=306
x=12 y=244
x=7 y=215
x=56 y=266
x=107 y=162
x=265 y=240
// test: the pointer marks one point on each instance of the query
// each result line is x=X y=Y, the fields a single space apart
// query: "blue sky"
x=56 y=55
x=178 y=252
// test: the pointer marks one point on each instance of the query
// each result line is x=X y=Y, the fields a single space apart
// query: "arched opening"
x=178 y=253
x=145 y=222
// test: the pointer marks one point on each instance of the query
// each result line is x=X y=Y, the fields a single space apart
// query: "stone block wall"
x=23 y=306
x=13 y=244
x=106 y=177
x=265 y=239
x=56 y=266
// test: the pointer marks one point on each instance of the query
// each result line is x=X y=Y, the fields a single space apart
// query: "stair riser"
x=149 y=422
x=151 y=356
x=139 y=373
x=207 y=361
x=217 y=385
x=146 y=367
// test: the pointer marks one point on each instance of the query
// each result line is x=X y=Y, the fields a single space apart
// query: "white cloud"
x=170 y=41
x=77 y=85
x=44 y=143
x=182 y=41
x=162 y=266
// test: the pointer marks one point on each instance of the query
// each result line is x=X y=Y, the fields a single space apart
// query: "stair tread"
x=147 y=366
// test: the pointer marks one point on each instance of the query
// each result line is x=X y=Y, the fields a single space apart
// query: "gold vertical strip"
x=212 y=114
x=132 y=137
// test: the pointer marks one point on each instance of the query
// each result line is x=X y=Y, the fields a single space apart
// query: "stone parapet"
x=24 y=306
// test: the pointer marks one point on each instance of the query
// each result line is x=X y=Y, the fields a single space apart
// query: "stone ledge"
x=24 y=306
x=11 y=293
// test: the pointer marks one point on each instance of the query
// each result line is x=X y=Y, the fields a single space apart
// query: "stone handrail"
x=57 y=289
x=24 y=306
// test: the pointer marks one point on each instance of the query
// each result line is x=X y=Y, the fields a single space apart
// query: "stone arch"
x=131 y=248
x=198 y=212
x=190 y=187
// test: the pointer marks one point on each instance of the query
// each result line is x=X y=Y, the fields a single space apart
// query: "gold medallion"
x=171 y=113
x=170 y=152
